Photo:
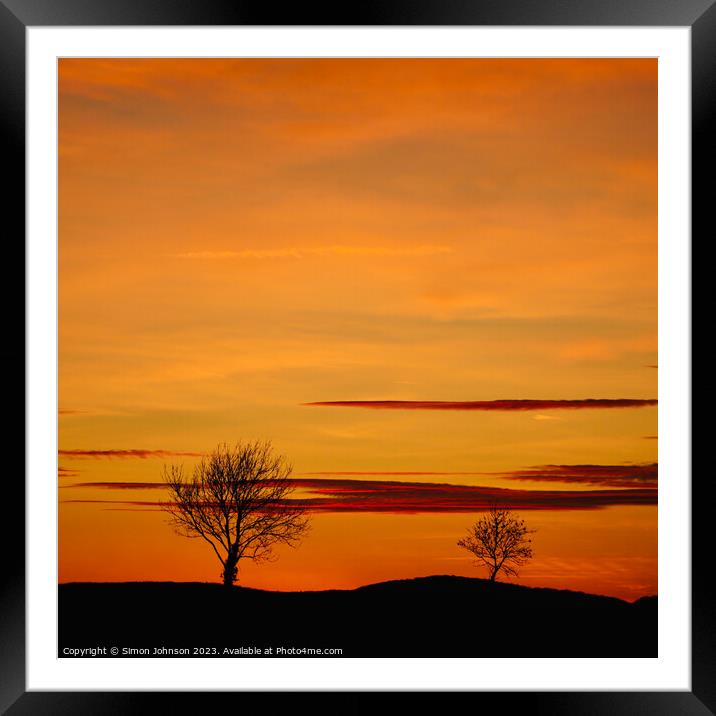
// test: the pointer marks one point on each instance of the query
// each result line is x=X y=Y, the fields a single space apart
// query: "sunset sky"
x=354 y=259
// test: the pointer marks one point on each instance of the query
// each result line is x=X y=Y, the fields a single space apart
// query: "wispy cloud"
x=65 y=472
x=487 y=405
x=604 y=475
x=118 y=485
x=385 y=473
x=345 y=495
x=119 y=503
x=126 y=454
x=311 y=251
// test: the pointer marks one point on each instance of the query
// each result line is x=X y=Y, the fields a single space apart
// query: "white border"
x=671 y=671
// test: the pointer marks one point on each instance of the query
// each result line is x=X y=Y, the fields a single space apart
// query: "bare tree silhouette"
x=499 y=541
x=236 y=500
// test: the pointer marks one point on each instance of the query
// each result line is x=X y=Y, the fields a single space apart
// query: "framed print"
x=356 y=344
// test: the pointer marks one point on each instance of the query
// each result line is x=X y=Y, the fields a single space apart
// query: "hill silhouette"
x=439 y=616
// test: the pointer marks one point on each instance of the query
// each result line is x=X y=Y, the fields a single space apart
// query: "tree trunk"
x=230 y=572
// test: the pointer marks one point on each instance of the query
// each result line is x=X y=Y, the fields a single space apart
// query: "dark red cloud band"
x=126 y=454
x=603 y=475
x=488 y=405
x=345 y=495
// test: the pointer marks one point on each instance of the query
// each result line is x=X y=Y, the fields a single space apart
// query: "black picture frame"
x=17 y=15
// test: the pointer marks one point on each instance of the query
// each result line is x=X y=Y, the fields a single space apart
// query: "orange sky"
x=238 y=238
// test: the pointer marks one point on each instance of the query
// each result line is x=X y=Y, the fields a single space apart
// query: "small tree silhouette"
x=499 y=541
x=236 y=500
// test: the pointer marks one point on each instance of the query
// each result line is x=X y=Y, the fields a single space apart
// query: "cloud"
x=651 y=437
x=336 y=250
x=65 y=472
x=603 y=475
x=142 y=507
x=94 y=412
x=346 y=495
x=388 y=496
x=403 y=473
x=126 y=454
x=118 y=485
x=487 y=405
x=137 y=503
